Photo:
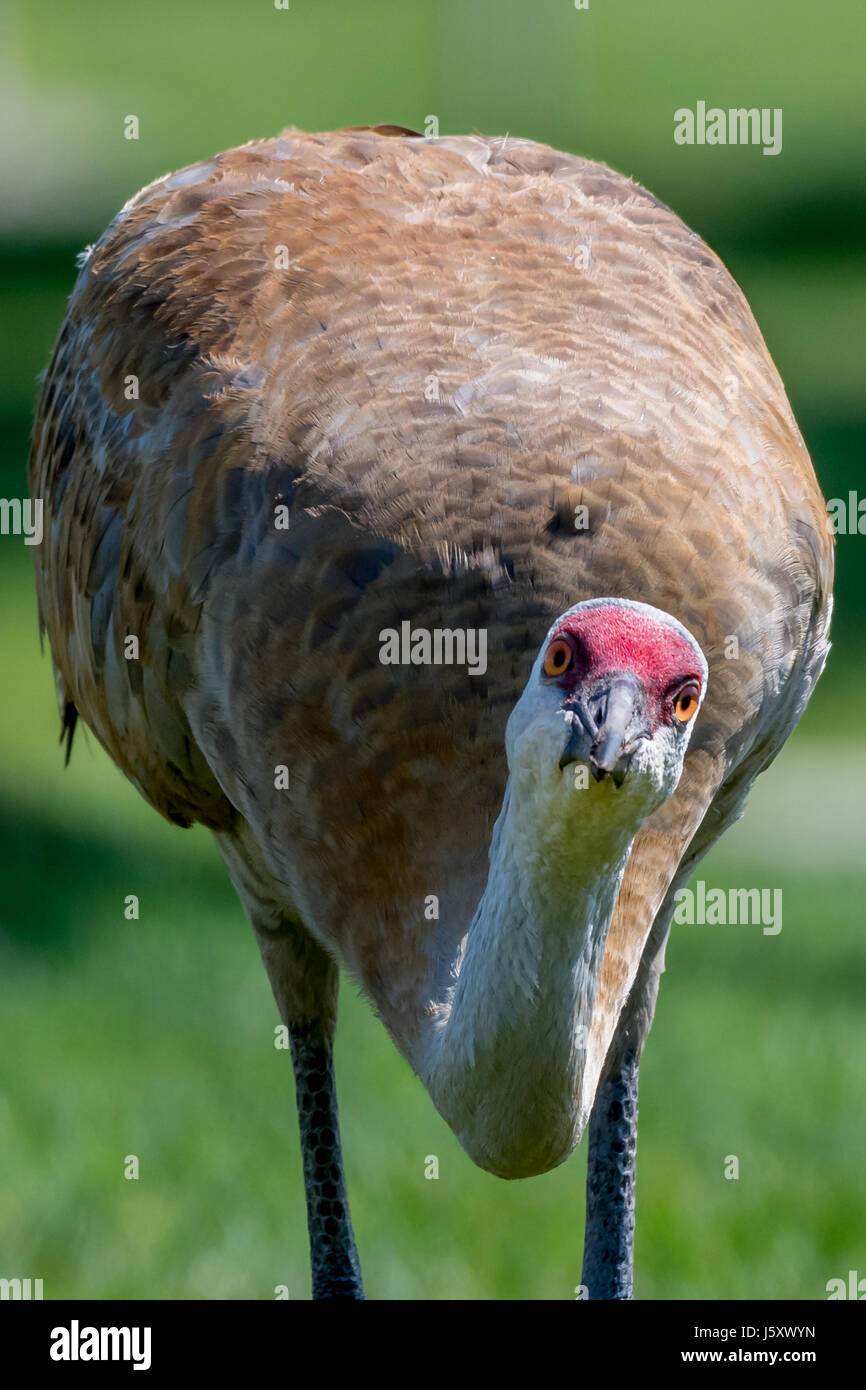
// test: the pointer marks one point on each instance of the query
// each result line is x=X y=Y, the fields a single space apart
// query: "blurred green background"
x=156 y=1037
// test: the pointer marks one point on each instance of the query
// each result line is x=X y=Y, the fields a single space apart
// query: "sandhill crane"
x=326 y=414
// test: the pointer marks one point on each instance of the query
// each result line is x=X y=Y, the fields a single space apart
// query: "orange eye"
x=558 y=657
x=686 y=703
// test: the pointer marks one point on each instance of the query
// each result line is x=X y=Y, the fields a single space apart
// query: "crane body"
x=324 y=389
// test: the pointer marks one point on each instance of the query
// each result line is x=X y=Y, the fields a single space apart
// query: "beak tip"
x=616 y=769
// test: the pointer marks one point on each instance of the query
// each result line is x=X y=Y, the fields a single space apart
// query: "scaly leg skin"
x=333 y=1256
x=608 y=1251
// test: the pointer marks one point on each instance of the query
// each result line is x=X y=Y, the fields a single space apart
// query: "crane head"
x=608 y=710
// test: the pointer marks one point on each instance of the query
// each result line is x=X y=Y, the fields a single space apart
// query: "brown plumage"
x=432 y=351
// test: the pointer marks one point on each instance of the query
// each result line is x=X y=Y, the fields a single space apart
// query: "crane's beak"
x=607 y=726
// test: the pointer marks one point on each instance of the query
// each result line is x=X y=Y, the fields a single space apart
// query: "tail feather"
x=67 y=732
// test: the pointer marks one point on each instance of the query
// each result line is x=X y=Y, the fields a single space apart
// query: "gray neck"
x=505 y=1059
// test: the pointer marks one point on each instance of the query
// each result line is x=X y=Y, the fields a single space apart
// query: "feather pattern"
x=432 y=352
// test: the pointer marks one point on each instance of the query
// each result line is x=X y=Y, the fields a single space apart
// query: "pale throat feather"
x=505 y=1061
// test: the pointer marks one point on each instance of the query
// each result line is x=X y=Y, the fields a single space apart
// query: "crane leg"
x=608 y=1248
x=305 y=981
x=334 y=1261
